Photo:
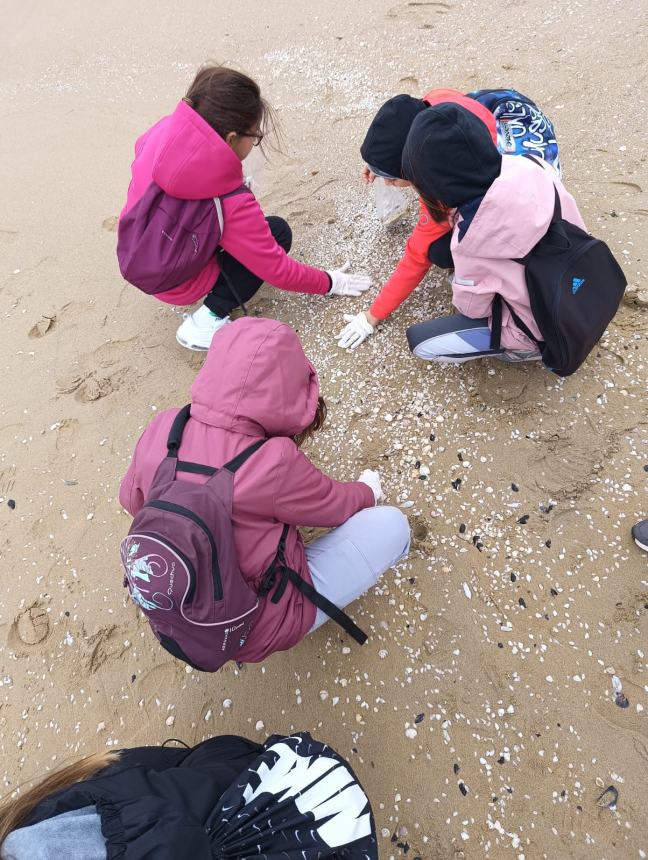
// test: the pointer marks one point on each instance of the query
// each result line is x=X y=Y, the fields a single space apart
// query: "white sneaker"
x=198 y=329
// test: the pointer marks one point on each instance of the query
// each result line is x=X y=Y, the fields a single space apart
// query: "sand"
x=481 y=714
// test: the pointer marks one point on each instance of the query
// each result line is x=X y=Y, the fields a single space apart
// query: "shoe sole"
x=641 y=545
x=508 y=360
x=191 y=346
x=453 y=359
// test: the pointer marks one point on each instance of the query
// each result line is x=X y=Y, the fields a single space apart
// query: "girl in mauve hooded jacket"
x=257 y=383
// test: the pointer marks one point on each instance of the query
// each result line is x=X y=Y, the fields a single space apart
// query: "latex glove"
x=343 y=284
x=356 y=331
x=372 y=480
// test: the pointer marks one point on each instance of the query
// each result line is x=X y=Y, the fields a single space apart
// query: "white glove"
x=343 y=284
x=357 y=330
x=372 y=480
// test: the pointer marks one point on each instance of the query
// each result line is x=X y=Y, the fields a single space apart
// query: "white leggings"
x=350 y=559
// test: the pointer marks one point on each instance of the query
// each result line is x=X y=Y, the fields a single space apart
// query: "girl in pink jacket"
x=196 y=153
x=256 y=383
x=500 y=206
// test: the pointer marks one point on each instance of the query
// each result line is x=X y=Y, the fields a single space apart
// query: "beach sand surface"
x=480 y=716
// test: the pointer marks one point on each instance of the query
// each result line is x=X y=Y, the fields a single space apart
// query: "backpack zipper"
x=185 y=512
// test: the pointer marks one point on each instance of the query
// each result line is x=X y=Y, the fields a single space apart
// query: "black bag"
x=575 y=286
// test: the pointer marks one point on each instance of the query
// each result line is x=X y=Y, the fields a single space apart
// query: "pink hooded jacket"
x=256 y=383
x=511 y=219
x=188 y=159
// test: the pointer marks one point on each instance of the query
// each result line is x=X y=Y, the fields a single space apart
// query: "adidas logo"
x=577 y=283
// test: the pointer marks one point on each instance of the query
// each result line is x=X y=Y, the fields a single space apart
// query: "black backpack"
x=575 y=286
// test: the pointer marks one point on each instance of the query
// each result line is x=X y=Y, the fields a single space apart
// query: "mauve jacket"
x=256 y=383
x=185 y=156
x=512 y=217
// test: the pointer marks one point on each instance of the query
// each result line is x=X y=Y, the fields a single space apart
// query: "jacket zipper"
x=185 y=512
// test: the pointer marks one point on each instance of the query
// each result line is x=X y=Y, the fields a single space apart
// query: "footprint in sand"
x=89 y=387
x=419 y=530
x=44 y=325
x=30 y=628
x=106 y=644
x=419 y=10
x=7 y=480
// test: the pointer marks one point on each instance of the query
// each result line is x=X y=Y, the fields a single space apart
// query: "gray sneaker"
x=640 y=534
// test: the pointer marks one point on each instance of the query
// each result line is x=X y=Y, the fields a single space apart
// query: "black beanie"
x=450 y=156
x=383 y=145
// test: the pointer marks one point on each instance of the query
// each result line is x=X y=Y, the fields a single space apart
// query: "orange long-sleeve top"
x=414 y=264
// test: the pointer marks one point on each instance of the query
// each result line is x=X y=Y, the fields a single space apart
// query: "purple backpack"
x=164 y=241
x=181 y=569
x=180 y=561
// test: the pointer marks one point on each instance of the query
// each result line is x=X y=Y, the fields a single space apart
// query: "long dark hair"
x=316 y=424
x=230 y=102
x=438 y=211
x=14 y=811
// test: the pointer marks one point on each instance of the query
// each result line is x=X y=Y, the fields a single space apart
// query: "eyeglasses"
x=257 y=135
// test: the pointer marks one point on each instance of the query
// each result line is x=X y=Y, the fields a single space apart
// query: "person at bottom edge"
x=257 y=384
x=228 y=797
x=500 y=207
x=197 y=153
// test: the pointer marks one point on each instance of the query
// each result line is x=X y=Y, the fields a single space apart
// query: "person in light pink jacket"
x=257 y=383
x=196 y=153
x=501 y=206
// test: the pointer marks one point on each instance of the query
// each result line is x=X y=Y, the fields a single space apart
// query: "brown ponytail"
x=315 y=425
x=14 y=811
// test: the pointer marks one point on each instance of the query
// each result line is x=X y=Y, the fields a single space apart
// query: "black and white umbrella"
x=299 y=800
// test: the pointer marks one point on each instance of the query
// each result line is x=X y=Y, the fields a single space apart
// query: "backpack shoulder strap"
x=557 y=215
x=530 y=157
x=175 y=438
x=496 y=323
x=236 y=462
x=219 y=213
x=173 y=444
x=317 y=599
x=175 y=433
x=242 y=189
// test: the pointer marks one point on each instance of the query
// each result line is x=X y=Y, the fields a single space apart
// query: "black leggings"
x=220 y=300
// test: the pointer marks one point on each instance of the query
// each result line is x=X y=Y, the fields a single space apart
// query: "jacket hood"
x=449 y=155
x=193 y=161
x=256 y=380
x=383 y=145
x=515 y=212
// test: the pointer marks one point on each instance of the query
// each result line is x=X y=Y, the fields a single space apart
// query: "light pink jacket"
x=256 y=383
x=188 y=159
x=511 y=219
